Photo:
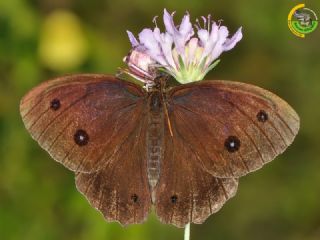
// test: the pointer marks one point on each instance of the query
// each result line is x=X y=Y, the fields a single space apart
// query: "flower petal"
x=147 y=38
x=179 y=37
x=214 y=34
x=192 y=48
x=185 y=28
x=203 y=35
x=166 y=46
x=230 y=43
x=209 y=41
x=157 y=34
x=218 y=48
x=168 y=22
x=134 y=42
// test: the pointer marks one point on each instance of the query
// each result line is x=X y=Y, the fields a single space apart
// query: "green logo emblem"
x=302 y=20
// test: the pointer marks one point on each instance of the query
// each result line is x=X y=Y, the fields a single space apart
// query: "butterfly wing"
x=235 y=128
x=81 y=120
x=185 y=191
x=120 y=190
x=220 y=131
x=88 y=123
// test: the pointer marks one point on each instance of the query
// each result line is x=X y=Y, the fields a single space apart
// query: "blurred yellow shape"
x=63 y=44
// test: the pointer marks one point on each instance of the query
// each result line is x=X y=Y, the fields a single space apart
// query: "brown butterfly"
x=180 y=149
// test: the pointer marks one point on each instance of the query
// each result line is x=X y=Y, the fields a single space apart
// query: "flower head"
x=179 y=52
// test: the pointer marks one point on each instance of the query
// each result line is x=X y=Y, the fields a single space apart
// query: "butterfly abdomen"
x=154 y=138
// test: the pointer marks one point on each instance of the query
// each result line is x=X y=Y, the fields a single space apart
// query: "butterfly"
x=179 y=149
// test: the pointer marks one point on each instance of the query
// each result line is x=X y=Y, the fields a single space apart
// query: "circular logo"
x=302 y=20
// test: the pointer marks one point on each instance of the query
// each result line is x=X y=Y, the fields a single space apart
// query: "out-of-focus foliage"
x=62 y=44
x=41 y=39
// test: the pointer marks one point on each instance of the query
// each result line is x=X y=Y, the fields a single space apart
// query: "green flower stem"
x=187 y=232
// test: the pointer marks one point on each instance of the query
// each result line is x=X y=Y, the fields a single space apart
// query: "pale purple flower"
x=179 y=52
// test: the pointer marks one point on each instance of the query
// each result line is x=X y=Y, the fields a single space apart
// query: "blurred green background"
x=41 y=39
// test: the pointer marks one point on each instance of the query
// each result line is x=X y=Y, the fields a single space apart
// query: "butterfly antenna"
x=168 y=119
x=165 y=107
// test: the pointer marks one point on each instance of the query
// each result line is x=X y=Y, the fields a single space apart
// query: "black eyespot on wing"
x=262 y=116
x=174 y=198
x=134 y=198
x=232 y=144
x=55 y=104
x=81 y=137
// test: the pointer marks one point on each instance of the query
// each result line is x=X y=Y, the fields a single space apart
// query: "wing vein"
x=250 y=119
x=240 y=110
x=254 y=96
x=93 y=178
x=255 y=145
x=267 y=106
x=244 y=163
x=285 y=123
x=60 y=114
x=117 y=149
x=219 y=181
x=67 y=154
x=59 y=134
x=35 y=122
x=43 y=95
x=191 y=131
x=181 y=118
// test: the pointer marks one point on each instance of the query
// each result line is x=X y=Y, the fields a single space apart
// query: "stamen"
x=220 y=21
x=154 y=20
x=198 y=22
x=204 y=22
x=209 y=22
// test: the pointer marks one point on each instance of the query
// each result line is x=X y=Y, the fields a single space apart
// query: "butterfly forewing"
x=81 y=119
x=234 y=128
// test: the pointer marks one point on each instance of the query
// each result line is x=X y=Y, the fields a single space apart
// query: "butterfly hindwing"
x=81 y=119
x=235 y=128
x=185 y=191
